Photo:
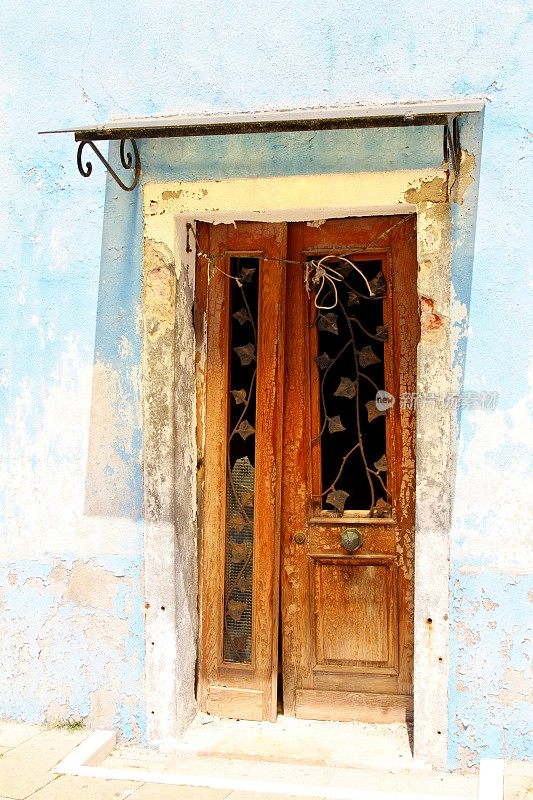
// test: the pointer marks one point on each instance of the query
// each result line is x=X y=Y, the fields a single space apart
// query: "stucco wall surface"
x=72 y=638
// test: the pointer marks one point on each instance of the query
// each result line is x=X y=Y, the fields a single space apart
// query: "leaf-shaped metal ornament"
x=382 y=508
x=247 y=274
x=353 y=299
x=373 y=410
x=341 y=267
x=239 y=552
x=335 y=425
x=381 y=465
x=241 y=316
x=245 y=429
x=237 y=522
x=368 y=357
x=239 y=395
x=328 y=322
x=246 y=353
x=235 y=609
x=240 y=643
x=323 y=360
x=346 y=388
x=247 y=499
x=337 y=498
x=244 y=584
x=382 y=332
x=378 y=285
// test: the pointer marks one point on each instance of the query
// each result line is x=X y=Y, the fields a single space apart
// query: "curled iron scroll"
x=129 y=160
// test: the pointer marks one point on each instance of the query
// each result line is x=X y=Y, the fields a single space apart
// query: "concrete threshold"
x=98 y=757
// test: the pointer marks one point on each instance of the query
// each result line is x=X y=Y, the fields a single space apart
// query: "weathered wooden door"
x=349 y=470
x=306 y=362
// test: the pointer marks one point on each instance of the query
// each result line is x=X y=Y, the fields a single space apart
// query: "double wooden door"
x=306 y=364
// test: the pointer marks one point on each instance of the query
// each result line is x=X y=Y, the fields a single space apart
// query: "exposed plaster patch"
x=102 y=706
x=466 y=176
x=466 y=635
x=58 y=711
x=429 y=319
x=434 y=258
x=428 y=191
x=170 y=195
x=35 y=583
x=177 y=193
x=159 y=289
x=514 y=686
x=468 y=758
x=91 y=586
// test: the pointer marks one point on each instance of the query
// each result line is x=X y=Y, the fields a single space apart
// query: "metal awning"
x=445 y=114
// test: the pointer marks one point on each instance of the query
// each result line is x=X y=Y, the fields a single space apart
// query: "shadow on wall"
x=113 y=485
x=463 y=214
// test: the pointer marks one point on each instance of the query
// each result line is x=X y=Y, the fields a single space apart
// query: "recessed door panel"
x=354 y=604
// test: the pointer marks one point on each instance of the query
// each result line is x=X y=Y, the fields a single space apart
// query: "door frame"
x=169 y=418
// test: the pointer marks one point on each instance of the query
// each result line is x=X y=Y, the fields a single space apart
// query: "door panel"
x=349 y=706
x=240 y=303
x=354 y=597
x=348 y=471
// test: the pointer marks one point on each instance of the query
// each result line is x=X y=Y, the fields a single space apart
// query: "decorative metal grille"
x=350 y=360
x=241 y=460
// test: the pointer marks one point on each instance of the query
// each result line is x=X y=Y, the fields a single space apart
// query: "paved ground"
x=29 y=753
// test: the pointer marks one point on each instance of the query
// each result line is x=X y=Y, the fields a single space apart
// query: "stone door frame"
x=169 y=418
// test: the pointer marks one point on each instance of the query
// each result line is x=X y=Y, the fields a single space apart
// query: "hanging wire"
x=317 y=272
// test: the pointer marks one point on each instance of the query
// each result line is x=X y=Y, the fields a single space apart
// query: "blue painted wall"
x=70 y=437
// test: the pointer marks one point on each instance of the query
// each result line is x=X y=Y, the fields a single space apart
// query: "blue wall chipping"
x=70 y=488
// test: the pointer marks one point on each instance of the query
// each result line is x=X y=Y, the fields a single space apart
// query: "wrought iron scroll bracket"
x=128 y=160
x=452 y=143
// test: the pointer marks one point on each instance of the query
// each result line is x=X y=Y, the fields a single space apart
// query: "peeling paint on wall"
x=75 y=639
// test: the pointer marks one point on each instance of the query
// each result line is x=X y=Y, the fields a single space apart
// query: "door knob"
x=299 y=538
x=351 y=539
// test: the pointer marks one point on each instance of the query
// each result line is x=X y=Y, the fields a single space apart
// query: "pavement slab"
x=71 y=787
x=26 y=767
x=238 y=795
x=154 y=791
x=14 y=733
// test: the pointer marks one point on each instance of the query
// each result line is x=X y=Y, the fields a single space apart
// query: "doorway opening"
x=307 y=478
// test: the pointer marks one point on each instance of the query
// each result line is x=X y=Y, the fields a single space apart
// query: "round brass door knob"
x=299 y=538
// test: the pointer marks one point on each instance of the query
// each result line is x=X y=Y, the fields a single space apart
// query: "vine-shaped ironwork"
x=240 y=462
x=349 y=302
x=130 y=160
